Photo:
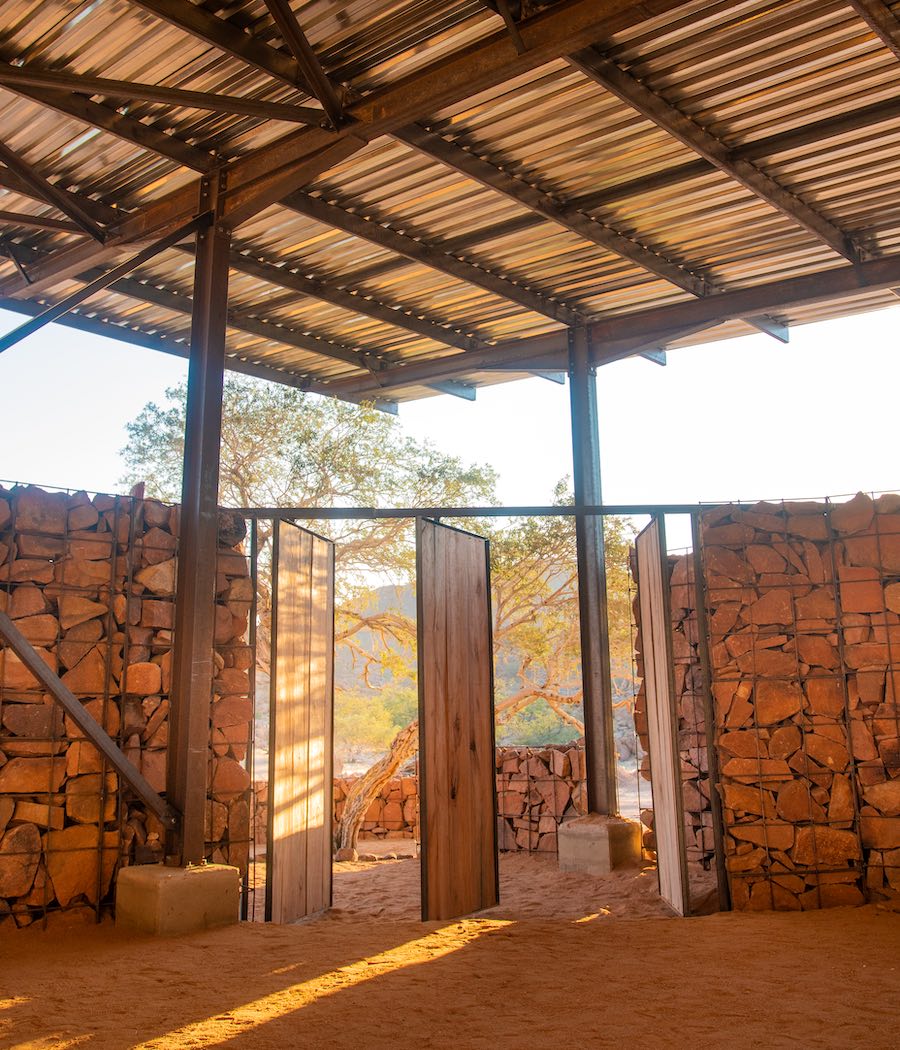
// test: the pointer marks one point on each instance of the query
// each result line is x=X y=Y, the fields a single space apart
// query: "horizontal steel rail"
x=350 y=513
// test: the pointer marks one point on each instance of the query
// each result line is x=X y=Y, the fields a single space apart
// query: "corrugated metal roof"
x=743 y=70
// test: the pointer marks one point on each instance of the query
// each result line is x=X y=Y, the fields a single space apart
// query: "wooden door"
x=659 y=685
x=300 y=728
x=457 y=784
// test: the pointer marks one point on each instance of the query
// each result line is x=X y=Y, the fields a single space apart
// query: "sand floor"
x=518 y=979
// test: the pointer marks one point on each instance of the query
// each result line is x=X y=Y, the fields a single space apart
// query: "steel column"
x=192 y=664
x=600 y=751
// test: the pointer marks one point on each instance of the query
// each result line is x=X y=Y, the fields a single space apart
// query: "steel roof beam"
x=881 y=20
x=628 y=334
x=99 y=284
x=560 y=212
x=680 y=126
x=167 y=345
x=124 y=127
x=38 y=222
x=326 y=291
x=126 y=89
x=564 y=214
x=314 y=75
x=49 y=193
x=436 y=258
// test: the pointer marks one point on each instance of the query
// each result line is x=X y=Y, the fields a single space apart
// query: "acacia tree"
x=281 y=447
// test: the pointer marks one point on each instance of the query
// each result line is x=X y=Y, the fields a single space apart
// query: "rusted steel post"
x=192 y=662
x=600 y=751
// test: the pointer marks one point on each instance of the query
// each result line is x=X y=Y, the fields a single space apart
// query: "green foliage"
x=536 y=725
x=282 y=447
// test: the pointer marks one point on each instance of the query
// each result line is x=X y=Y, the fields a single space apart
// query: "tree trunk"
x=368 y=787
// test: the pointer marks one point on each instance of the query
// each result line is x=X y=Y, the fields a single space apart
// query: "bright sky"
x=738 y=419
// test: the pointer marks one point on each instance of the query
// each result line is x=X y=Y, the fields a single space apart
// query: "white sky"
x=738 y=419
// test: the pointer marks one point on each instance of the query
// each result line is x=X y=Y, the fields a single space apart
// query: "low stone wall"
x=90 y=582
x=537 y=788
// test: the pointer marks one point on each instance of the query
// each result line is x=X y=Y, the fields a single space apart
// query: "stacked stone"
x=393 y=815
x=804 y=604
x=90 y=583
x=692 y=744
x=537 y=789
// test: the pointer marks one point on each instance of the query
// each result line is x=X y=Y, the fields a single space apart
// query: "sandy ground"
x=531 y=887
x=582 y=979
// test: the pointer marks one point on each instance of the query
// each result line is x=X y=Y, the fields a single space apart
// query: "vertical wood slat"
x=457 y=788
x=659 y=685
x=301 y=721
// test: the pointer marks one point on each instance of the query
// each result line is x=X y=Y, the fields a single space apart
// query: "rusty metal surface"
x=744 y=70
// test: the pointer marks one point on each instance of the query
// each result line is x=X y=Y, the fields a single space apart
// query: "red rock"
x=156 y=514
x=784 y=741
x=39 y=511
x=229 y=778
x=83 y=517
x=861 y=589
x=879 y=832
x=159 y=578
x=153 y=766
x=91 y=546
x=853 y=516
x=721 y=561
x=770 y=836
x=142 y=679
x=157 y=614
x=230 y=680
x=862 y=742
x=20 y=854
x=224 y=630
x=43 y=815
x=775 y=701
x=74 y=610
x=812 y=526
x=29 y=570
x=232 y=563
x=78 y=642
x=825 y=696
x=74 y=864
x=15 y=677
x=5 y=513
x=775 y=606
x=40 y=721
x=840 y=805
x=157 y=546
x=884 y=797
x=724 y=618
x=32 y=776
x=820 y=846
x=744 y=744
x=29 y=546
x=795 y=804
x=88 y=676
x=82 y=757
x=84 y=798
x=868 y=655
x=232 y=710
x=817 y=651
x=830 y=896
x=26 y=600
x=764 y=558
x=765 y=771
x=749 y=861
x=818 y=604
x=765 y=663
x=39 y=630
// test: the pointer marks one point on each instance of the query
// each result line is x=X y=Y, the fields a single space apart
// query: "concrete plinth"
x=152 y=898
x=596 y=844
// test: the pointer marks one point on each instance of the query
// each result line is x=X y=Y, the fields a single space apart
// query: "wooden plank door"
x=457 y=784
x=659 y=685
x=300 y=725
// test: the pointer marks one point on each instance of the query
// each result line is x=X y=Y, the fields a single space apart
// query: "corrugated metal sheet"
x=744 y=70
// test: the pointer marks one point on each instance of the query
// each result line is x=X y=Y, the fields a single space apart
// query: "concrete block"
x=596 y=844
x=151 y=898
